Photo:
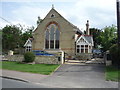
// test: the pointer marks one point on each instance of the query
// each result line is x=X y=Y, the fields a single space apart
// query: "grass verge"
x=112 y=73
x=45 y=69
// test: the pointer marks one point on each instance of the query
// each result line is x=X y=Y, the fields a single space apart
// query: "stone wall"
x=38 y=59
x=84 y=56
x=47 y=60
x=18 y=58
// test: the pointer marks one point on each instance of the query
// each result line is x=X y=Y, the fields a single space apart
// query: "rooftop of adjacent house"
x=89 y=38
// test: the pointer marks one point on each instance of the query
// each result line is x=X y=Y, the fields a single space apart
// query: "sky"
x=100 y=13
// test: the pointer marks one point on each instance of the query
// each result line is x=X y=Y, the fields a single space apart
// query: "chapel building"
x=55 y=34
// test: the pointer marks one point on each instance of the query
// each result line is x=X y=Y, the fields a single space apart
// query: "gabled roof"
x=28 y=41
x=87 y=38
x=59 y=15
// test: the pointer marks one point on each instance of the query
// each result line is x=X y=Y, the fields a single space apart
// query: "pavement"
x=68 y=76
x=22 y=76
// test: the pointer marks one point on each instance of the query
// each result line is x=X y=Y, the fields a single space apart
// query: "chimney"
x=87 y=28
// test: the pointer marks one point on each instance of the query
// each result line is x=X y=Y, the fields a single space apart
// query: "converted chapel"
x=55 y=34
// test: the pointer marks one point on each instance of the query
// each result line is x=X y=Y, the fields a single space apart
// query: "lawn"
x=45 y=69
x=112 y=73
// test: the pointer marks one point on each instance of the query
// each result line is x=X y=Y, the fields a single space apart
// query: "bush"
x=115 y=54
x=29 y=57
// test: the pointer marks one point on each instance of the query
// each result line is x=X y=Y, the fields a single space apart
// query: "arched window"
x=52 y=38
x=47 y=39
x=57 y=37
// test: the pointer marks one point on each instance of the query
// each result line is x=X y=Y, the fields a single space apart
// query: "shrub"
x=29 y=57
x=115 y=54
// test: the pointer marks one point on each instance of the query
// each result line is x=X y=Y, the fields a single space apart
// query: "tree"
x=39 y=20
x=10 y=37
x=27 y=34
x=13 y=37
x=108 y=37
x=114 y=53
x=95 y=33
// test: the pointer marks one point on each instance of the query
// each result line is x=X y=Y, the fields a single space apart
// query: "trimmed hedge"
x=29 y=57
x=115 y=54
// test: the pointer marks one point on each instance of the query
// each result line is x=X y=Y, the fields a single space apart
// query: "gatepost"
x=61 y=57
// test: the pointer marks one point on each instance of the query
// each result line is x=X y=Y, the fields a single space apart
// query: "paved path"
x=69 y=76
x=29 y=77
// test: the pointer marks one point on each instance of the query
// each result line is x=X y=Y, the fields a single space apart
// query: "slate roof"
x=29 y=40
x=89 y=38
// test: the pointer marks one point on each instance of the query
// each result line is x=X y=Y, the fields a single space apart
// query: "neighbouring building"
x=84 y=43
x=28 y=45
x=55 y=34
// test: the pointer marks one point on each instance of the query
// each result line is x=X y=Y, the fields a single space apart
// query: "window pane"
x=78 y=46
x=86 y=50
x=47 y=40
x=78 y=50
x=52 y=37
x=57 y=36
x=82 y=50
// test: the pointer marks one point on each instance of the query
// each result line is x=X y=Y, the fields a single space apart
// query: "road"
x=67 y=76
x=9 y=83
x=79 y=76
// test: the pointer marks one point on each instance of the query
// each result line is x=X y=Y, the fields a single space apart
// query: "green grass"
x=112 y=73
x=45 y=69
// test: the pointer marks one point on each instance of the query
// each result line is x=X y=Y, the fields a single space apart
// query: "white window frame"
x=48 y=28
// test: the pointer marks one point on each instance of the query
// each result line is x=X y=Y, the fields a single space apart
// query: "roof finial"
x=52 y=5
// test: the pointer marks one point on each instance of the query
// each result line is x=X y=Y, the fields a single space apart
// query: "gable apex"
x=56 y=14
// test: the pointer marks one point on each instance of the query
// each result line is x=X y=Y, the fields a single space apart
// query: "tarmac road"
x=79 y=76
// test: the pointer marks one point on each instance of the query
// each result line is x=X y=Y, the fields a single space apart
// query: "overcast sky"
x=100 y=13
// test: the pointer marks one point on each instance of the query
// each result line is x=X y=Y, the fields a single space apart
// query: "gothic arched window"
x=52 y=38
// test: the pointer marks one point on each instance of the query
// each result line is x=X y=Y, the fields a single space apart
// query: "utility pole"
x=118 y=22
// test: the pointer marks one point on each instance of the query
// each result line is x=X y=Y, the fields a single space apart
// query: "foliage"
x=115 y=54
x=108 y=37
x=112 y=73
x=15 y=37
x=35 y=68
x=27 y=34
x=95 y=33
x=29 y=57
x=10 y=37
x=104 y=38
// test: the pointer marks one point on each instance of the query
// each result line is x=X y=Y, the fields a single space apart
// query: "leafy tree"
x=108 y=37
x=95 y=33
x=27 y=34
x=115 y=54
x=11 y=37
